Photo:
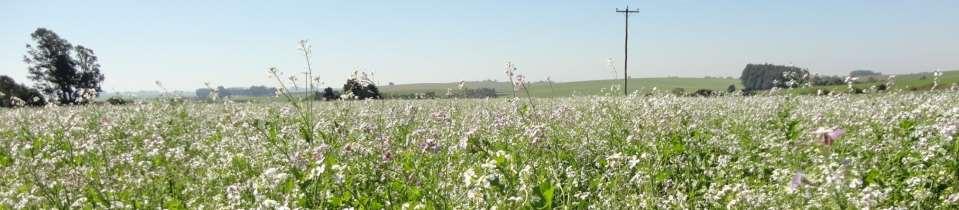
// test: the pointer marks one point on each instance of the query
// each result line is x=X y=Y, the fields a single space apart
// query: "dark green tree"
x=354 y=87
x=62 y=70
x=372 y=92
x=359 y=91
x=329 y=94
x=767 y=76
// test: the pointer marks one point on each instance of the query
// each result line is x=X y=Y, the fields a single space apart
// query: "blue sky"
x=186 y=43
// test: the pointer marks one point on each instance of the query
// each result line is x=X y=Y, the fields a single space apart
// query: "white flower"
x=948 y=130
x=953 y=199
x=468 y=177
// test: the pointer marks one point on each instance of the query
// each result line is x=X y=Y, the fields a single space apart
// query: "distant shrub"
x=827 y=80
x=882 y=87
x=429 y=95
x=119 y=101
x=856 y=90
x=704 y=93
x=863 y=73
x=476 y=93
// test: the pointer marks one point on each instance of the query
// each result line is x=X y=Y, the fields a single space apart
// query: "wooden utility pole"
x=626 y=13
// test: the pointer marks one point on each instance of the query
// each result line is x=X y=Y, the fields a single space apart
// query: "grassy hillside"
x=560 y=89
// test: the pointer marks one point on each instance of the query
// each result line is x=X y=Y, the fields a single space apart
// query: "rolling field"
x=885 y=151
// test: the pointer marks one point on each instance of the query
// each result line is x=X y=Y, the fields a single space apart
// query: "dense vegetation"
x=893 y=150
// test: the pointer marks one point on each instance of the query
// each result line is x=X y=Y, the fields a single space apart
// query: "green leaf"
x=545 y=190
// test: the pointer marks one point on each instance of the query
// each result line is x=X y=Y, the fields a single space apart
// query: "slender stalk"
x=307 y=53
x=529 y=97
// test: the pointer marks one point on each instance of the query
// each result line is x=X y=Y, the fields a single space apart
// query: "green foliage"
x=329 y=95
x=360 y=91
x=71 y=73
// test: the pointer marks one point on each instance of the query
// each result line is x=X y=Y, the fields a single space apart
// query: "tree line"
x=766 y=76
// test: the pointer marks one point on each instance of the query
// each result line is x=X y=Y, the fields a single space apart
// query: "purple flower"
x=797 y=180
x=429 y=145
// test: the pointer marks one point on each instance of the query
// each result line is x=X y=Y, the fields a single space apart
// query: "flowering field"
x=892 y=150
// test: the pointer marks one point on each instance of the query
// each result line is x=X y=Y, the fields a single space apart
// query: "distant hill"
x=561 y=89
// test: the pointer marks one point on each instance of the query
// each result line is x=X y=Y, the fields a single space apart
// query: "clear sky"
x=186 y=43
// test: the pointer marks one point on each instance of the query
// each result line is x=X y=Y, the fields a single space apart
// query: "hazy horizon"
x=184 y=44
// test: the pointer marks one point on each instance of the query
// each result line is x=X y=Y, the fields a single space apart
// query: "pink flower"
x=829 y=135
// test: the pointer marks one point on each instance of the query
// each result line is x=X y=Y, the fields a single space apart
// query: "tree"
x=353 y=87
x=360 y=91
x=372 y=92
x=71 y=74
x=329 y=94
x=14 y=94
